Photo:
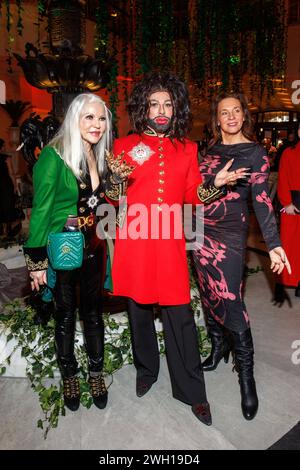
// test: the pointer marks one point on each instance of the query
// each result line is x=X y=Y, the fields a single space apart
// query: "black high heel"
x=220 y=349
x=220 y=345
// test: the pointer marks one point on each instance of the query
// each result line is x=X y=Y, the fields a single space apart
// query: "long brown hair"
x=247 y=128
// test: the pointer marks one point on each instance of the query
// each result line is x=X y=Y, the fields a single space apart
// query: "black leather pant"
x=90 y=280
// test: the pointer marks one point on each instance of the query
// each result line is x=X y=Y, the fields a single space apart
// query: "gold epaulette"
x=209 y=194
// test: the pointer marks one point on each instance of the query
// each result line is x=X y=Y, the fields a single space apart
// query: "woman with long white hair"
x=69 y=179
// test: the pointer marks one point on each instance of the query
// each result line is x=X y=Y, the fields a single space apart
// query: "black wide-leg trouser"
x=90 y=282
x=182 y=349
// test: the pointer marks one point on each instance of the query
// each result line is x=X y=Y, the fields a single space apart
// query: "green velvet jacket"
x=55 y=197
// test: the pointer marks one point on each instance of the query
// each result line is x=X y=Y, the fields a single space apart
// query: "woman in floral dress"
x=220 y=259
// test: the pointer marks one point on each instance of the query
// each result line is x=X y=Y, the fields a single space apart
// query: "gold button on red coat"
x=161 y=172
x=160 y=190
x=172 y=252
x=160 y=199
x=161 y=181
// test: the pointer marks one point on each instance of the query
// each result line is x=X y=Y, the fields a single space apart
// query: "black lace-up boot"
x=98 y=389
x=71 y=392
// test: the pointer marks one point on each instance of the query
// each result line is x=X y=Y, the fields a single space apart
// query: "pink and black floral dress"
x=220 y=260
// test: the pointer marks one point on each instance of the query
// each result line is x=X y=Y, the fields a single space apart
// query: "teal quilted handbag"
x=47 y=295
x=65 y=250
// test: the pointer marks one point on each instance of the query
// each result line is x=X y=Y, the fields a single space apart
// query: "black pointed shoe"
x=98 y=391
x=142 y=388
x=202 y=412
x=71 y=392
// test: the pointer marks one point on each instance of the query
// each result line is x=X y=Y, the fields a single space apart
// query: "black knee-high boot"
x=220 y=347
x=244 y=363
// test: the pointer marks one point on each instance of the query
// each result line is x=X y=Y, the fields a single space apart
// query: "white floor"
x=157 y=421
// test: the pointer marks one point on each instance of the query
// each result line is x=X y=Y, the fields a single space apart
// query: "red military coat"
x=289 y=179
x=153 y=269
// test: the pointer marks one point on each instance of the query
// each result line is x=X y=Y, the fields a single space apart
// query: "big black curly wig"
x=138 y=105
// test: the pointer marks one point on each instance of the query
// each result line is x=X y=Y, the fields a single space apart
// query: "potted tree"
x=15 y=110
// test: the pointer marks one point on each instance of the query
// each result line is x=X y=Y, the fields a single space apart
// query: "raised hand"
x=118 y=166
x=229 y=177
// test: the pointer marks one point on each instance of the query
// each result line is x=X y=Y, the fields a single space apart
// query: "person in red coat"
x=288 y=190
x=150 y=263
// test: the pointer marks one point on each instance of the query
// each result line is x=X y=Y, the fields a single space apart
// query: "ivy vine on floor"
x=36 y=343
x=250 y=271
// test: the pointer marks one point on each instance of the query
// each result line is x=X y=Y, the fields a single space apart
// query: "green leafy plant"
x=204 y=341
x=15 y=110
x=36 y=343
x=37 y=347
x=250 y=271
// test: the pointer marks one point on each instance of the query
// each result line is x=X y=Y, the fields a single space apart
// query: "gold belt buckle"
x=83 y=221
x=90 y=220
